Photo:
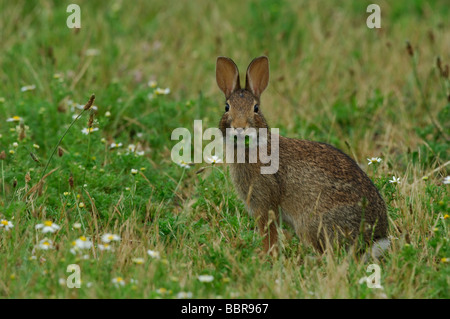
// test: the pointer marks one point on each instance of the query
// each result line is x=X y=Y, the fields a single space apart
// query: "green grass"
x=332 y=80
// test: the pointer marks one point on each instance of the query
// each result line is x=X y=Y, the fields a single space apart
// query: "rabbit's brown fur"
x=320 y=191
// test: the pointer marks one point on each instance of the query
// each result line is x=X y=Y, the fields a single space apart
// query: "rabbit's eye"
x=256 y=108
x=227 y=107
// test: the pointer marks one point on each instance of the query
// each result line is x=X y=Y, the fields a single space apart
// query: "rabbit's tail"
x=378 y=248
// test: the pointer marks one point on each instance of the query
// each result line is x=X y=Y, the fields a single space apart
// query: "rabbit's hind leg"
x=268 y=224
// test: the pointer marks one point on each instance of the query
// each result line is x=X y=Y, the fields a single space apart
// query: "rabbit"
x=318 y=190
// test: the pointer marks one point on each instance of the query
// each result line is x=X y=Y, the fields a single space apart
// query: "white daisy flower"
x=82 y=243
x=115 y=145
x=134 y=171
x=153 y=254
x=374 y=160
x=105 y=247
x=161 y=291
x=184 y=295
x=88 y=130
x=77 y=106
x=183 y=164
x=205 y=278
x=107 y=238
x=446 y=180
x=159 y=91
x=213 y=160
x=14 y=119
x=152 y=84
x=45 y=244
x=118 y=281
x=395 y=180
x=131 y=148
x=48 y=227
x=107 y=113
x=134 y=281
x=138 y=261
x=27 y=88
x=77 y=225
x=6 y=224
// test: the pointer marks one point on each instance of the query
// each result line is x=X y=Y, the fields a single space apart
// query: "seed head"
x=431 y=36
x=22 y=134
x=90 y=102
x=34 y=158
x=200 y=170
x=409 y=48
x=439 y=64
x=71 y=181
x=91 y=119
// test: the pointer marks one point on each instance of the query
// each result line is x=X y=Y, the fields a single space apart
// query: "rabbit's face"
x=242 y=112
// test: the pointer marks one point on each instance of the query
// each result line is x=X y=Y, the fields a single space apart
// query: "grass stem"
x=59 y=142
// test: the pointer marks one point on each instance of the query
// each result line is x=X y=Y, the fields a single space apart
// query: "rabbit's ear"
x=257 y=76
x=227 y=76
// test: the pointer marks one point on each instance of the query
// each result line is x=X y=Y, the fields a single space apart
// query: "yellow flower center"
x=46 y=243
x=119 y=279
x=4 y=222
x=48 y=223
x=138 y=261
x=83 y=238
x=16 y=118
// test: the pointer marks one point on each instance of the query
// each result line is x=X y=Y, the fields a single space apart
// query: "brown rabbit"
x=320 y=191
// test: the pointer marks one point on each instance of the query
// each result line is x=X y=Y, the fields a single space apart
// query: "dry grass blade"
x=39 y=184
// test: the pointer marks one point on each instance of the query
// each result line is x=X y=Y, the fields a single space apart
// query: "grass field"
x=332 y=80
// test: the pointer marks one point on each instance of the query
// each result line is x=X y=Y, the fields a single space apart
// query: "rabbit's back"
x=326 y=190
